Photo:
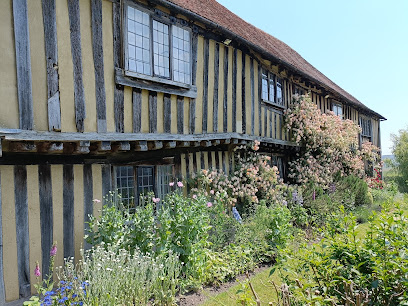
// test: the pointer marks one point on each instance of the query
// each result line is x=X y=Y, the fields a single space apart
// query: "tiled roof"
x=218 y=14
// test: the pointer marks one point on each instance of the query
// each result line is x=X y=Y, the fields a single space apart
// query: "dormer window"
x=156 y=46
x=272 y=89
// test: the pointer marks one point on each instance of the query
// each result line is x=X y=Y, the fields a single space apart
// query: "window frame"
x=365 y=122
x=159 y=17
x=337 y=105
x=272 y=76
x=136 y=190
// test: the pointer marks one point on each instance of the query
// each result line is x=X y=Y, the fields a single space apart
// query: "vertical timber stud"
x=106 y=182
x=216 y=76
x=51 y=58
x=193 y=81
x=259 y=98
x=205 y=84
x=23 y=62
x=167 y=113
x=243 y=94
x=118 y=99
x=225 y=108
x=68 y=211
x=88 y=196
x=180 y=114
x=152 y=112
x=46 y=215
x=234 y=91
x=137 y=110
x=76 y=51
x=2 y=290
x=22 y=232
x=252 y=97
x=97 y=48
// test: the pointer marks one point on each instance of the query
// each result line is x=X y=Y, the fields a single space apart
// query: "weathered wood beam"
x=180 y=114
x=234 y=90
x=205 y=84
x=23 y=63
x=104 y=146
x=152 y=112
x=194 y=143
x=118 y=101
x=141 y=145
x=83 y=146
x=1 y=148
x=216 y=77
x=51 y=57
x=216 y=142
x=97 y=48
x=106 y=182
x=167 y=113
x=243 y=96
x=22 y=231
x=183 y=144
x=28 y=137
x=155 y=145
x=137 y=110
x=225 y=100
x=68 y=210
x=46 y=215
x=170 y=144
x=252 y=82
x=88 y=197
x=18 y=146
x=205 y=143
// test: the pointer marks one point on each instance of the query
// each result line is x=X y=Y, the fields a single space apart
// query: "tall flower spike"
x=37 y=271
x=54 y=249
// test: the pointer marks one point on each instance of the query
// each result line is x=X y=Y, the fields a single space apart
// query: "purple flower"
x=37 y=271
x=209 y=204
x=53 y=251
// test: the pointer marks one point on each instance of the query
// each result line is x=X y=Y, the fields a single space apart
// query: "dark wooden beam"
x=88 y=197
x=68 y=210
x=205 y=84
x=225 y=100
x=22 y=233
x=76 y=52
x=180 y=114
x=170 y=144
x=152 y=112
x=216 y=76
x=97 y=48
x=141 y=145
x=234 y=90
x=118 y=100
x=137 y=110
x=167 y=113
x=23 y=63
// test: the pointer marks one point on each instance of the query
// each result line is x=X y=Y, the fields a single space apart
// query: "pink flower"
x=155 y=200
x=194 y=196
x=96 y=201
x=37 y=271
x=53 y=251
x=209 y=204
x=180 y=184
x=171 y=184
x=212 y=191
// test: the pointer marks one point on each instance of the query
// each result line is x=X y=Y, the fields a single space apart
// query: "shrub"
x=341 y=265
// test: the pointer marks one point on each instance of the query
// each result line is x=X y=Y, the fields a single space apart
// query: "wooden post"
x=216 y=76
x=68 y=210
x=2 y=290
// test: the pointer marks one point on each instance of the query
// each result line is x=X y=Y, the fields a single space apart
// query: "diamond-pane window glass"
x=181 y=55
x=164 y=176
x=138 y=41
x=338 y=110
x=145 y=180
x=279 y=92
x=161 y=49
x=125 y=184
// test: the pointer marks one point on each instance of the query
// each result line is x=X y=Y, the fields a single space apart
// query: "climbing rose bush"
x=330 y=145
x=252 y=180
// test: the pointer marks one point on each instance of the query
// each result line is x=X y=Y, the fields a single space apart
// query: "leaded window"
x=338 y=109
x=135 y=181
x=157 y=46
x=272 y=89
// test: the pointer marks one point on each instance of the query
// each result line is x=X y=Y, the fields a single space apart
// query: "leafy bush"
x=373 y=268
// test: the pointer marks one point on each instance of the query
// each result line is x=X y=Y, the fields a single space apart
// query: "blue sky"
x=361 y=45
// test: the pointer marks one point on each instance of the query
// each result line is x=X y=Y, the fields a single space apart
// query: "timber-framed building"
x=97 y=95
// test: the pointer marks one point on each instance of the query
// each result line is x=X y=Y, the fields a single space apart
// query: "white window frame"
x=271 y=77
x=171 y=23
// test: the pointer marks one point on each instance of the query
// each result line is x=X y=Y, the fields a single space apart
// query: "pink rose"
x=96 y=201
x=155 y=200
x=194 y=196
x=171 y=184
x=212 y=191
x=180 y=184
x=209 y=204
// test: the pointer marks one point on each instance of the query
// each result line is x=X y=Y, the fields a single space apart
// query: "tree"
x=400 y=164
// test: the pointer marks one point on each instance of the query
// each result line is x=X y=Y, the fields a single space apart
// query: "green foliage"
x=342 y=265
x=400 y=151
